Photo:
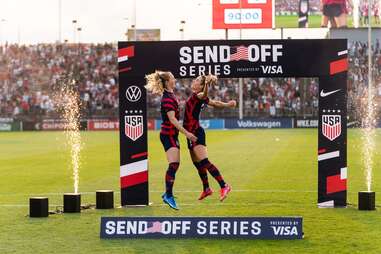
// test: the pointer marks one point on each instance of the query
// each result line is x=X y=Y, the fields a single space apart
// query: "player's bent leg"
x=200 y=151
x=202 y=172
x=205 y=163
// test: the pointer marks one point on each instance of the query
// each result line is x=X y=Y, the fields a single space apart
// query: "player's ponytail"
x=156 y=82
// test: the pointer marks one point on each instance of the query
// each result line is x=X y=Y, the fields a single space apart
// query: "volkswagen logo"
x=133 y=93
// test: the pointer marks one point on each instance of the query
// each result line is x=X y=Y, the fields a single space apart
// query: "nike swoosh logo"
x=323 y=94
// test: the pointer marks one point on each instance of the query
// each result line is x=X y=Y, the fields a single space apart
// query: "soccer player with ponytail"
x=197 y=149
x=163 y=83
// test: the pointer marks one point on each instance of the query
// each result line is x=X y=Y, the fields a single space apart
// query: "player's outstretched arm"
x=176 y=123
x=220 y=104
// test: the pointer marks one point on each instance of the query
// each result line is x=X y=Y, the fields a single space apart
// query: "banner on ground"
x=6 y=120
x=52 y=125
x=258 y=123
x=10 y=126
x=102 y=125
x=202 y=227
x=306 y=123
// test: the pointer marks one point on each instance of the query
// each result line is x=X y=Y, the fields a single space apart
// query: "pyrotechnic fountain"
x=68 y=103
x=366 y=199
x=368 y=131
x=368 y=135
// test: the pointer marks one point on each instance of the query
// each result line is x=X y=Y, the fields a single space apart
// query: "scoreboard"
x=236 y=14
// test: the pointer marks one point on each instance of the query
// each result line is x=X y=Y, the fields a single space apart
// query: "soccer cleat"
x=205 y=193
x=170 y=201
x=224 y=192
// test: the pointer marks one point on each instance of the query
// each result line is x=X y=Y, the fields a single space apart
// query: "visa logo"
x=285 y=230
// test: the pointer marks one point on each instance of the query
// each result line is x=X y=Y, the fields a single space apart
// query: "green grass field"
x=270 y=177
x=314 y=21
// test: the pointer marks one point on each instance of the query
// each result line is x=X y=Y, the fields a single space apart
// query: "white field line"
x=157 y=191
x=159 y=204
x=22 y=205
x=160 y=191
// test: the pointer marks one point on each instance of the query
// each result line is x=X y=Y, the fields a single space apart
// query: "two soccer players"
x=163 y=83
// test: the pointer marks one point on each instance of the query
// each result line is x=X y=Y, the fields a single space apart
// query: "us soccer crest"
x=331 y=126
x=133 y=127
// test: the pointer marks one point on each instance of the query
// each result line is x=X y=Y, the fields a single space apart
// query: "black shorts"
x=200 y=134
x=333 y=10
x=169 y=141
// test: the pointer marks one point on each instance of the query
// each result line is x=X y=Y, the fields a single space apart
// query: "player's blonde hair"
x=209 y=79
x=156 y=81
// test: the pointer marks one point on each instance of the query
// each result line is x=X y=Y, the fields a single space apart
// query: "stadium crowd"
x=28 y=73
x=292 y=6
x=358 y=75
x=261 y=96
